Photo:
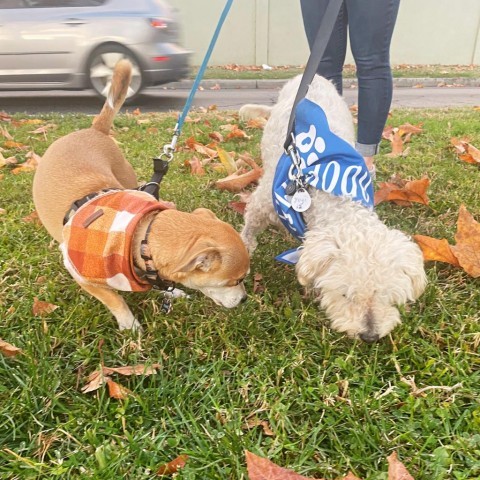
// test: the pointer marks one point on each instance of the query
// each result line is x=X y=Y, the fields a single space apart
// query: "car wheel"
x=100 y=70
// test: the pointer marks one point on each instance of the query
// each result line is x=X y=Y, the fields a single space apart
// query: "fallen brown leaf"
x=263 y=469
x=467 y=249
x=236 y=132
x=32 y=218
x=466 y=152
x=239 y=207
x=192 y=144
x=351 y=476
x=4 y=133
x=140 y=369
x=95 y=381
x=414 y=191
x=216 y=136
x=196 y=167
x=8 y=349
x=239 y=180
x=172 y=467
x=99 y=377
x=258 y=122
x=396 y=469
x=436 y=250
x=258 y=286
x=117 y=391
x=254 y=422
x=41 y=309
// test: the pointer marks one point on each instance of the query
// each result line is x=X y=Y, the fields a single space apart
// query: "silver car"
x=74 y=44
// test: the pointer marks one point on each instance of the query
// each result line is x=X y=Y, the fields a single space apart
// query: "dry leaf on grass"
x=32 y=218
x=258 y=286
x=196 y=167
x=263 y=469
x=102 y=376
x=30 y=164
x=258 y=122
x=396 y=469
x=239 y=207
x=235 y=133
x=436 y=250
x=216 y=136
x=467 y=249
x=465 y=151
x=260 y=468
x=41 y=309
x=172 y=467
x=117 y=391
x=239 y=180
x=12 y=144
x=198 y=147
x=227 y=160
x=4 y=132
x=254 y=422
x=403 y=194
x=8 y=349
x=466 y=252
x=399 y=136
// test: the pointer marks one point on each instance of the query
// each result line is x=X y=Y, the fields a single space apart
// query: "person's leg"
x=371 y=24
x=331 y=66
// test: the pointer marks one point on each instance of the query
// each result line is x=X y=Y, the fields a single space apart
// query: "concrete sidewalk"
x=347 y=83
x=407 y=93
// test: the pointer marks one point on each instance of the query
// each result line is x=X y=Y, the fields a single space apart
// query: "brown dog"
x=195 y=249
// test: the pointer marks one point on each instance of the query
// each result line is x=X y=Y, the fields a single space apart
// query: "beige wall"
x=270 y=31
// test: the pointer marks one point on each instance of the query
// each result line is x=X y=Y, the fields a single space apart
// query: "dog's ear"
x=205 y=212
x=202 y=260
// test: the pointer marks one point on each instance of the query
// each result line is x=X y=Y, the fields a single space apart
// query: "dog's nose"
x=244 y=299
x=369 y=337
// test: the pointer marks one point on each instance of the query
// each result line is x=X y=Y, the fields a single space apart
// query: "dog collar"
x=150 y=274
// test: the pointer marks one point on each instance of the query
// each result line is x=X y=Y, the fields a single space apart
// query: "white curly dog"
x=358 y=269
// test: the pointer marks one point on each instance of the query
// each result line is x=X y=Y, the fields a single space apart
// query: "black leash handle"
x=318 y=49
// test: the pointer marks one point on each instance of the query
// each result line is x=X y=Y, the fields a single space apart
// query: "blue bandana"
x=328 y=163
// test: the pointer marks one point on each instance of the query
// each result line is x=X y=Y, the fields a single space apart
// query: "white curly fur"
x=358 y=269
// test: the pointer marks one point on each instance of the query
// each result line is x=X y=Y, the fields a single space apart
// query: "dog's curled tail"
x=116 y=96
x=251 y=111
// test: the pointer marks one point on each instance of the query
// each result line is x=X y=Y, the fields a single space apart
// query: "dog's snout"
x=369 y=337
x=244 y=299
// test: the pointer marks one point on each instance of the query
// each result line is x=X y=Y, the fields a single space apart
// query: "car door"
x=39 y=42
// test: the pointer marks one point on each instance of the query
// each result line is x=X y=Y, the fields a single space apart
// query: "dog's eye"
x=239 y=281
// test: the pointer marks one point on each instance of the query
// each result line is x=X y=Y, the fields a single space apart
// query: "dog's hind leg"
x=116 y=304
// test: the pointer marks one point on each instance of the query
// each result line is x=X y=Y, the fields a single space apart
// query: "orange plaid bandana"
x=98 y=239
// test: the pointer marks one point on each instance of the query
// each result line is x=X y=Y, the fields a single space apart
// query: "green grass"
x=273 y=357
x=242 y=72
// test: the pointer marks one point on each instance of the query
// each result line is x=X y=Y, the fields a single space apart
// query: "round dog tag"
x=301 y=200
x=291 y=188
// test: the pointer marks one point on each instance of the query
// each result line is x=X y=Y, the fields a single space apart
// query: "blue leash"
x=198 y=78
x=160 y=164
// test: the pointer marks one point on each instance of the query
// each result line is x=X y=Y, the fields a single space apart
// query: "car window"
x=63 y=3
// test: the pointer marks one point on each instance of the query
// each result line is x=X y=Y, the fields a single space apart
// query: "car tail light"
x=159 y=23
x=161 y=59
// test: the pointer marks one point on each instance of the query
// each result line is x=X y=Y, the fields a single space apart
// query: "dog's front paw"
x=129 y=322
x=176 y=293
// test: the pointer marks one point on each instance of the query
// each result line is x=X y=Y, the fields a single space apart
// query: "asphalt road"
x=166 y=99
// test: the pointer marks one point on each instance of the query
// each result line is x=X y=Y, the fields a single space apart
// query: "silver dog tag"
x=301 y=200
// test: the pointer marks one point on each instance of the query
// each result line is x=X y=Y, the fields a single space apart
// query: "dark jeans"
x=370 y=26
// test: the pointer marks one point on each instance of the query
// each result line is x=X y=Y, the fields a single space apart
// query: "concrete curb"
x=347 y=83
